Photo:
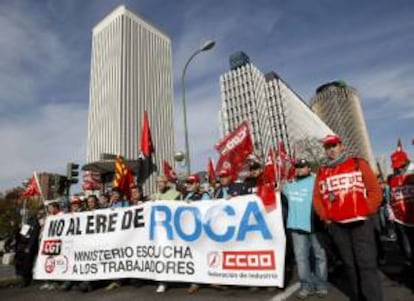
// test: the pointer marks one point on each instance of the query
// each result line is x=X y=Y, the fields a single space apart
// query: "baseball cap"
x=398 y=159
x=300 y=163
x=193 y=179
x=75 y=199
x=253 y=165
x=331 y=140
x=224 y=172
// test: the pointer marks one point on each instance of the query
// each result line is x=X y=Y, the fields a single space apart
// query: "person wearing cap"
x=75 y=204
x=303 y=225
x=193 y=191
x=345 y=196
x=227 y=188
x=402 y=203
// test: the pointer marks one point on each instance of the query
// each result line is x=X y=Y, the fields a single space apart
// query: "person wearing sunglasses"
x=346 y=195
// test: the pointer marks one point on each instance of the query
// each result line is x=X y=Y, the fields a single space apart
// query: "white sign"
x=219 y=241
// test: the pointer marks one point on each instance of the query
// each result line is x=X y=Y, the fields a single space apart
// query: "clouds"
x=43 y=141
x=32 y=57
x=45 y=65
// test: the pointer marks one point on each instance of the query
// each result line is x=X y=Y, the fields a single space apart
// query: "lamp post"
x=206 y=46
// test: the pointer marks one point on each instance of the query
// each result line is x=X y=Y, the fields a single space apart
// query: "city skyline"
x=45 y=59
x=274 y=110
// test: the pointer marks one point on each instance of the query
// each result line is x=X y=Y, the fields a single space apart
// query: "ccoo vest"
x=402 y=198
x=343 y=192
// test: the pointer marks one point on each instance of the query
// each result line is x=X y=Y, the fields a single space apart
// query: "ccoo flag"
x=234 y=149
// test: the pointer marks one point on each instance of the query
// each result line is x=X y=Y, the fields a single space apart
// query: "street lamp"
x=206 y=46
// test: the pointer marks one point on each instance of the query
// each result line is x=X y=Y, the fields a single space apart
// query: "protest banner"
x=219 y=241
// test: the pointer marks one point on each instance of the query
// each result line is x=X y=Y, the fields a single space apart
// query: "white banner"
x=222 y=242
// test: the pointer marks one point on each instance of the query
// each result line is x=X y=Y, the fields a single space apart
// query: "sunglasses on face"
x=329 y=146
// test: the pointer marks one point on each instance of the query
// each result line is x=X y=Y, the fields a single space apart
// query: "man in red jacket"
x=402 y=202
x=346 y=194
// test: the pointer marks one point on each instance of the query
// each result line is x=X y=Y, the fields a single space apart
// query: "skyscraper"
x=339 y=107
x=274 y=111
x=130 y=72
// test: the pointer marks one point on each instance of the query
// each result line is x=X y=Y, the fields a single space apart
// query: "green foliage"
x=10 y=205
x=9 y=214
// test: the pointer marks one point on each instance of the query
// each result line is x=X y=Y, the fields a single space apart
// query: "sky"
x=45 y=52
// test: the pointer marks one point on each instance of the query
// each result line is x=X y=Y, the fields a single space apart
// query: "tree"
x=9 y=212
x=311 y=149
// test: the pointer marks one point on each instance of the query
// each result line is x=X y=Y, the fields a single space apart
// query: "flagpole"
x=40 y=188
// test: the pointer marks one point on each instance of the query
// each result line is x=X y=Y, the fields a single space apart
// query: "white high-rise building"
x=274 y=111
x=131 y=71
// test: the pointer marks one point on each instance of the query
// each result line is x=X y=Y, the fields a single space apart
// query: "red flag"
x=281 y=161
x=266 y=183
x=169 y=171
x=292 y=171
x=234 y=149
x=123 y=177
x=269 y=170
x=146 y=141
x=32 y=188
x=210 y=172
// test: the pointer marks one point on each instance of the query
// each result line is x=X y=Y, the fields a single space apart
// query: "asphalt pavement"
x=397 y=285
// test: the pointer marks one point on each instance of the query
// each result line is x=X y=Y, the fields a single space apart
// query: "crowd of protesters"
x=336 y=217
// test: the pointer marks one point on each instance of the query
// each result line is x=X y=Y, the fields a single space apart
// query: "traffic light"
x=72 y=173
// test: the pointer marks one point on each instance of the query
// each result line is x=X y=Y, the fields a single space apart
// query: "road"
x=396 y=285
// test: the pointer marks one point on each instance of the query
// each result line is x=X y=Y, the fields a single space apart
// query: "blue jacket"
x=299 y=194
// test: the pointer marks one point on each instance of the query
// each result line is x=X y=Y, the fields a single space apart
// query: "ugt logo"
x=52 y=247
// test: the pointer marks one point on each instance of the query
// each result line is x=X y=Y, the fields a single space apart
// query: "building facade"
x=275 y=112
x=338 y=105
x=131 y=71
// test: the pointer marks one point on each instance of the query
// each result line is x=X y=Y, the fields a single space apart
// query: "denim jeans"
x=303 y=244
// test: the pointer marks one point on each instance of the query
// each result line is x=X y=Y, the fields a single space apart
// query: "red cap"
x=331 y=139
x=193 y=179
x=75 y=200
x=225 y=172
x=398 y=159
